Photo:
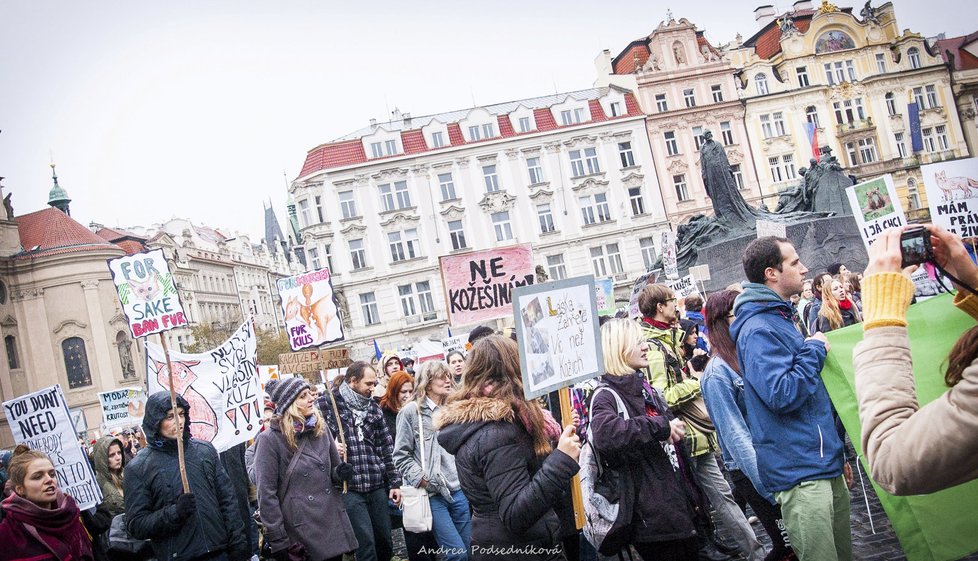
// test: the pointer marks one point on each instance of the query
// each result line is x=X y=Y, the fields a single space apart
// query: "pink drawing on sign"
x=232 y=415
x=203 y=420
x=479 y=285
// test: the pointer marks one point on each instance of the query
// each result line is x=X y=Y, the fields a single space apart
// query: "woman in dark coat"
x=40 y=522
x=508 y=470
x=300 y=507
x=648 y=445
x=110 y=460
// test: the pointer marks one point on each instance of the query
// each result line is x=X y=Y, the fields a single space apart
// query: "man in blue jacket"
x=799 y=452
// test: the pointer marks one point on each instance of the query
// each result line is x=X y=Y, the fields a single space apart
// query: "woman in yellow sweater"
x=913 y=449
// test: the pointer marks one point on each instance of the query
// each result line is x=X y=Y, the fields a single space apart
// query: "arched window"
x=914 y=55
x=760 y=79
x=890 y=103
x=76 y=362
x=811 y=114
x=13 y=361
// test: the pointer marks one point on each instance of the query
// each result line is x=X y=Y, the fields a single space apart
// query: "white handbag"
x=414 y=501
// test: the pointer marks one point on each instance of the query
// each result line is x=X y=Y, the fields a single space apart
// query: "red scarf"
x=657 y=324
x=36 y=532
x=845 y=304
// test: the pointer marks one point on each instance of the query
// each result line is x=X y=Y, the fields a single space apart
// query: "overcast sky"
x=196 y=109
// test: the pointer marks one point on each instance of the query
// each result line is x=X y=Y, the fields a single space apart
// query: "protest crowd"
x=711 y=414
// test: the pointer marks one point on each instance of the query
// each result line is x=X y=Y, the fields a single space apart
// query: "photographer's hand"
x=949 y=252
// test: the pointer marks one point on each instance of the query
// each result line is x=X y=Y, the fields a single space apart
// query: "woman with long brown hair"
x=509 y=471
x=838 y=309
x=723 y=390
x=40 y=522
x=303 y=516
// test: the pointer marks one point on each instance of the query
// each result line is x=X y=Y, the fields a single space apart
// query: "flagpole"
x=173 y=405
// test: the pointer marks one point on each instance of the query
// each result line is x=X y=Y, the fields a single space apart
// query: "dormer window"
x=479 y=132
x=616 y=109
x=573 y=116
x=524 y=124
x=437 y=139
x=382 y=148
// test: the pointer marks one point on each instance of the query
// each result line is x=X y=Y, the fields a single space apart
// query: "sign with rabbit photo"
x=147 y=293
x=311 y=317
x=952 y=194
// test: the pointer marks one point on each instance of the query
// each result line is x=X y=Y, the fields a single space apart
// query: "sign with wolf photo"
x=952 y=195
x=42 y=421
x=479 y=284
x=557 y=333
x=122 y=407
x=310 y=308
x=146 y=291
x=876 y=207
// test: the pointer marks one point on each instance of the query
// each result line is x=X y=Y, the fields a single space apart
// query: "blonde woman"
x=300 y=506
x=838 y=309
x=449 y=508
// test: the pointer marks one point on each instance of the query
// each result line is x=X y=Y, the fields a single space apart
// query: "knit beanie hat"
x=283 y=392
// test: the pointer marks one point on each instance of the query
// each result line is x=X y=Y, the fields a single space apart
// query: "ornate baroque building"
x=685 y=86
x=852 y=77
x=572 y=174
x=961 y=55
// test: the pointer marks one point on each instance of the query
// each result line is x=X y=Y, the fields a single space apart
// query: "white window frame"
x=556 y=267
x=626 y=155
x=348 y=204
x=940 y=132
x=689 y=97
x=717 y=91
x=760 y=82
x=867 y=150
x=672 y=145
x=545 y=218
x=437 y=139
x=446 y=183
x=697 y=137
x=616 y=109
x=930 y=145
x=661 y=103
x=456 y=233
x=680 y=186
x=918 y=97
x=376 y=150
x=369 y=309
x=313 y=255
x=475 y=133
x=801 y=72
x=726 y=133
x=738 y=176
x=491 y=178
x=913 y=56
x=890 y=99
x=423 y=290
x=881 y=63
x=811 y=115
x=502 y=226
x=901 y=144
x=405 y=293
x=598 y=262
x=390 y=147
x=524 y=124
x=647 y=247
x=305 y=213
x=766 y=128
x=931 y=91
x=535 y=171
x=636 y=200
x=778 y=118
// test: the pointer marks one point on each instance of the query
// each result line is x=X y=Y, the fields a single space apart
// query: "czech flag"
x=812 y=133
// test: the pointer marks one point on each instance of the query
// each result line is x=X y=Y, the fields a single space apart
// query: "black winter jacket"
x=664 y=504
x=152 y=485
x=512 y=492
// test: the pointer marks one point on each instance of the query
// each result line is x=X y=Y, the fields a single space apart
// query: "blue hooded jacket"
x=788 y=408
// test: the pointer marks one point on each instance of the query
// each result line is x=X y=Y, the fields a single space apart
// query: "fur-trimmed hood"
x=459 y=420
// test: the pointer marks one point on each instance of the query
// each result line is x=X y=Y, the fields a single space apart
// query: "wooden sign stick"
x=566 y=415
x=173 y=404
x=339 y=423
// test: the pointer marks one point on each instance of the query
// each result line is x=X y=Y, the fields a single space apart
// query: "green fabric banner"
x=937 y=527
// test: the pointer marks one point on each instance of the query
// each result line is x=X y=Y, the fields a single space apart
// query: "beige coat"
x=912 y=449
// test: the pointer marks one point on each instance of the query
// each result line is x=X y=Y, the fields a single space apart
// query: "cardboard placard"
x=952 y=195
x=335 y=358
x=479 y=285
x=310 y=309
x=876 y=207
x=300 y=362
x=122 y=407
x=683 y=287
x=149 y=298
x=41 y=420
x=558 y=335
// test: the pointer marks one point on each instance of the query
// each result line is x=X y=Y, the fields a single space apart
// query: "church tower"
x=58 y=197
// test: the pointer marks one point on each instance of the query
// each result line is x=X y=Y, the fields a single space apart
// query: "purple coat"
x=309 y=510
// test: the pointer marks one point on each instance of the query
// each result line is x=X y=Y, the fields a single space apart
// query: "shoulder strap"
x=619 y=404
x=421 y=436
x=292 y=466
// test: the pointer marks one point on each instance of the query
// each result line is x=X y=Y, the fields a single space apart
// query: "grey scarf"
x=358 y=404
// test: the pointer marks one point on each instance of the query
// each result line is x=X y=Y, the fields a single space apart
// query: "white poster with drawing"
x=952 y=195
x=310 y=307
x=146 y=291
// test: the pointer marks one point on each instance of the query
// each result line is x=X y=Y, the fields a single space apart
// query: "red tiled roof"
x=333 y=155
x=129 y=242
x=505 y=126
x=413 y=141
x=111 y=234
x=632 y=58
x=768 y=42
x=953 y=48
x=131 y=247
x=632 y=105
x=597 y=112
x=544 y=119
x=455 y=134
x=54 y=232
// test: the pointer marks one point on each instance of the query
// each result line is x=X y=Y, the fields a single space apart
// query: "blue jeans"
x=452 y=525
x=371 y=524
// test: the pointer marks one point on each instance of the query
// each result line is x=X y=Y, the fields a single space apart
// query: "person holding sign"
x=200 y=525
x=40 y=522
x=508 y=470
x=912 y=449
x=647 y=446
x=303 y=516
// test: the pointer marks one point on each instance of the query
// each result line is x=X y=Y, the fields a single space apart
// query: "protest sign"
x=146 y=291
x=938 y=526
x=557 y=333
x=123 y=407
x=683 y=287
x=479 y=284
x=310 y=309
x=604 y=297
x=876 y=207
x=637 y=288
x=669 y=263
x=453 y=344
x=41 y=421
x=335 y=358
x=221 y=386
x=771 y=228
x=302 y=362
x=952 y=194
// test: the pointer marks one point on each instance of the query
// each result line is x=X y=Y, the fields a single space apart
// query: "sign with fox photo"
x=147 y=293
x=311 y=310
x=952 y=195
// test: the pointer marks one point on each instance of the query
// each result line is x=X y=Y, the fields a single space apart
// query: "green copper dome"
x=58 y=197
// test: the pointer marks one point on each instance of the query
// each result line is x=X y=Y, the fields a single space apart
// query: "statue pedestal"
x=819 y=242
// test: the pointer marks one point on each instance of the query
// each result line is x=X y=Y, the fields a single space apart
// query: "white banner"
x=41 y=421
x=123 y=407
x=222 y=387
x=876 y=207
x=683 y=287
x=952 y=194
